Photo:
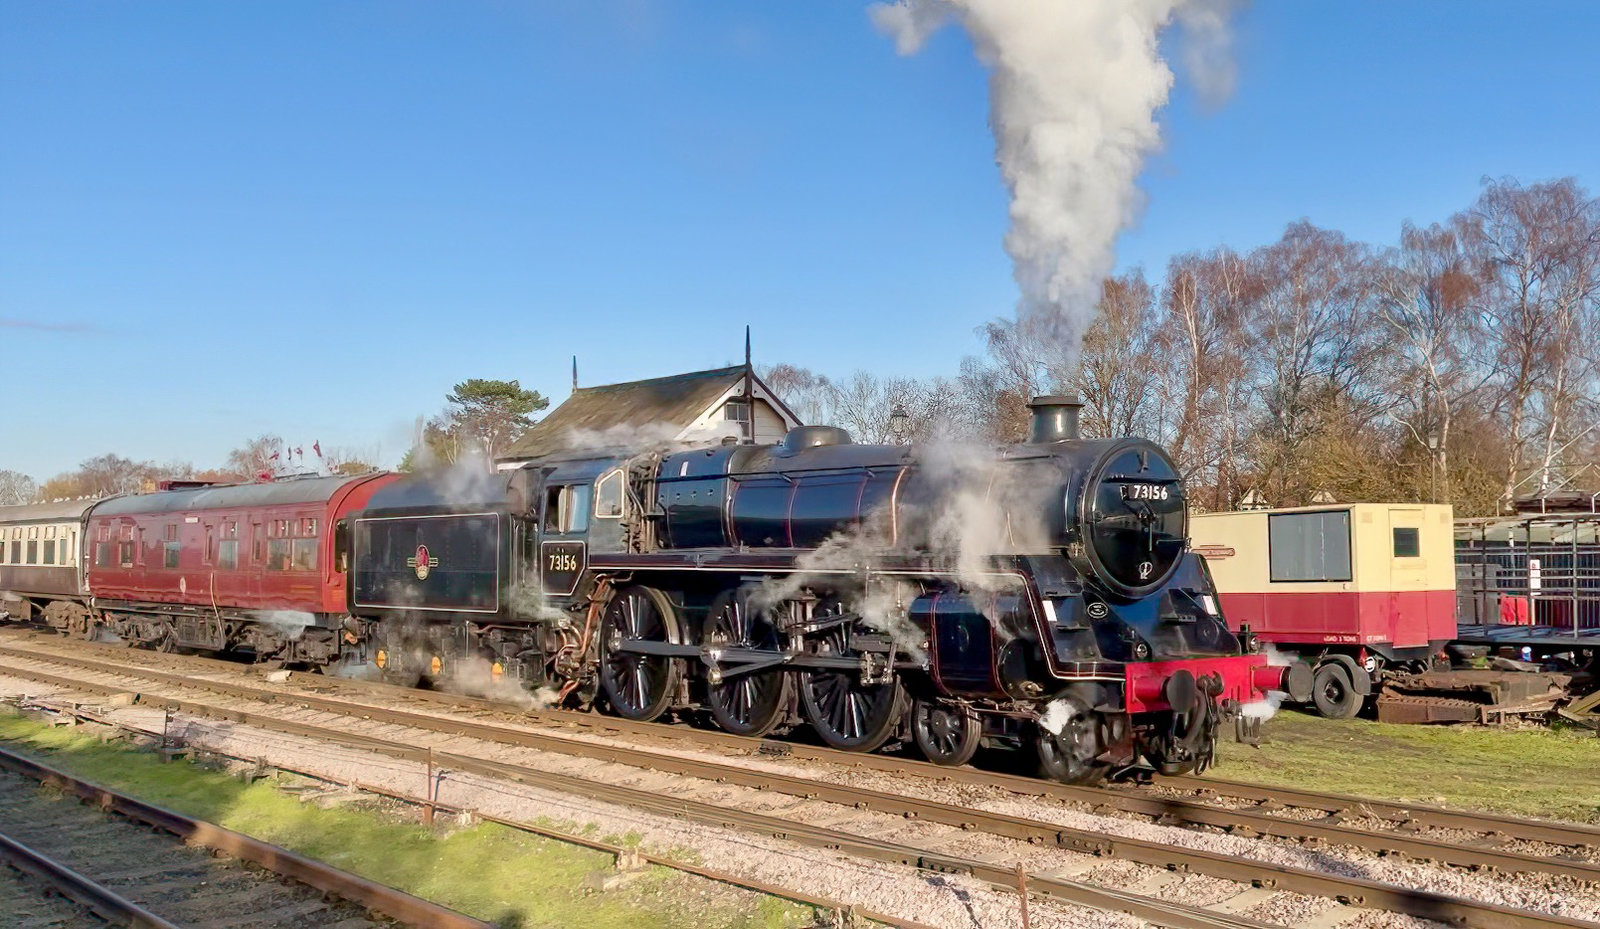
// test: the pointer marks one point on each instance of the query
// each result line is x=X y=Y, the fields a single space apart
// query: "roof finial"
x=574 y=372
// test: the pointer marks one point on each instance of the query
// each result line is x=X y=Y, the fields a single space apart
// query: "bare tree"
x=16 y=488
x=1534 y=249
x=260 y=455
x=1426 y=296
x=1117 y=381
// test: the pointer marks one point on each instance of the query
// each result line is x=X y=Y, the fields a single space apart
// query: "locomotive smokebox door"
x=560 y=566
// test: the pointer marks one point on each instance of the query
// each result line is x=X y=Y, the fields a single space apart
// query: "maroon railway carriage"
x=253 y=567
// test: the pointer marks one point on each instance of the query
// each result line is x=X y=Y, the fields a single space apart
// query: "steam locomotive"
x=1040 y=594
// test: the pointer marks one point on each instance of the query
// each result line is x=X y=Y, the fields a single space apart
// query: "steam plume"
x=1074 y=86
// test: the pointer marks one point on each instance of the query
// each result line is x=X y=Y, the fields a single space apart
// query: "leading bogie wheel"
x=639 y=686
x=1068 y=742
x=947 y=734
x=845 y=713
x=753 y=703
x=1333 y=691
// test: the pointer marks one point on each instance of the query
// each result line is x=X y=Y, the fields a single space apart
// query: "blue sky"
x=223 y=219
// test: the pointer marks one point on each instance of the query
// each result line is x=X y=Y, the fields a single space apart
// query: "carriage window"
x=608 y=496
x=228 y=554
x=308 y=527
x=1406 y=543
x=172 y=532
x=278 y=555
x=33 y=552
x=1309 y=546
x=102 y=554
x=304 y=554
x=169 y=556
x=49 y=553
x=125 y=554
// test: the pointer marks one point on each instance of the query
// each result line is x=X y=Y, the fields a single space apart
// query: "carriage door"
x=563 y=535
x=1408 y=575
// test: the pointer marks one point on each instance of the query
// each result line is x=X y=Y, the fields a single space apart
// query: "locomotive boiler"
x=1037 y=594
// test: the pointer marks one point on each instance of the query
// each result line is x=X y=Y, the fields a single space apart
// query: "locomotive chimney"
x=1055 y=419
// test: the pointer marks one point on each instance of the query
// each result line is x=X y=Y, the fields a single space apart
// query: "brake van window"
x=1309 y=546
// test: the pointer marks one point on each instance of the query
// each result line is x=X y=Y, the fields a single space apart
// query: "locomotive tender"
x=818 y=580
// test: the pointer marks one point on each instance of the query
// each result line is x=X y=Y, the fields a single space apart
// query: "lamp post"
x=1433 y=467
x=899 y=425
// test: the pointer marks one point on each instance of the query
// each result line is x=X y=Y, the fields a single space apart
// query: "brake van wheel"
x=1334 y=693
x=638 y=686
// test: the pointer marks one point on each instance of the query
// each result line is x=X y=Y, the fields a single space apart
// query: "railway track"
x=1423 y=832
x=1267 y=877
x=134 y=864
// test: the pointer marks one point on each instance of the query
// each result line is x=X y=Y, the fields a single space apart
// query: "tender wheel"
x=638 y=686
x=1068 y=754
x=1333 y=692
x=845 y=714
x=750 y=704
x=945 y=734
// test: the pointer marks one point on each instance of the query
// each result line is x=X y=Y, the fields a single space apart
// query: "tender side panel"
x=446 y=562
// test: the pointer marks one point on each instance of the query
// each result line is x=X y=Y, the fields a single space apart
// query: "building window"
x=1309 y=546
x=1406 y=543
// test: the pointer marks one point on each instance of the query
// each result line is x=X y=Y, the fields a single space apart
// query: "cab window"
x=566 y=508
x=608 y=496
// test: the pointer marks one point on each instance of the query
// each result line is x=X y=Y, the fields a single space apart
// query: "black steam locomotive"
x=1040 y=594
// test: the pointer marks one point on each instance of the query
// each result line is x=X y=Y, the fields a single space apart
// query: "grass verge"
x=1553 y=773
x=513 y=879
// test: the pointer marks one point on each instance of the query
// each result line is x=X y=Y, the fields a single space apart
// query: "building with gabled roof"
x=680 y=408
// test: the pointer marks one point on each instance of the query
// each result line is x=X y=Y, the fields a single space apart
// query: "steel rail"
x=1160 y=912
x=1171 y=809
x=1359 y=891
x=100 y=900
x=396 y=904
x=1242 y=822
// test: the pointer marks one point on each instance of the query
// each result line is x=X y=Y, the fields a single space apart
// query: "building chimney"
x=1055 y=419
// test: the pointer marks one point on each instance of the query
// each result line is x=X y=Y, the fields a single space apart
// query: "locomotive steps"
x=1243 y=860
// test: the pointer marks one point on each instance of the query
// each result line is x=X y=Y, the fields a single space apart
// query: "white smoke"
x=1268 y=708
x=290 y=623
x=637 y=439
x=1073 y=92
x=1056 y=716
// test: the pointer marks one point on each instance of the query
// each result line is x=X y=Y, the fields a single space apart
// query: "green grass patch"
x=1552 y=773
x=508 y=877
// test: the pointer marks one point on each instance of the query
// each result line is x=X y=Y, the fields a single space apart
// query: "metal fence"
x=1536 y=571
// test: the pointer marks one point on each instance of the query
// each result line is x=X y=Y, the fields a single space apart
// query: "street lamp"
x=1433 y=466
x=899 y=425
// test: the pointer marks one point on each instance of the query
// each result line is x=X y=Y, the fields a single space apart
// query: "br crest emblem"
x=421 y=563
